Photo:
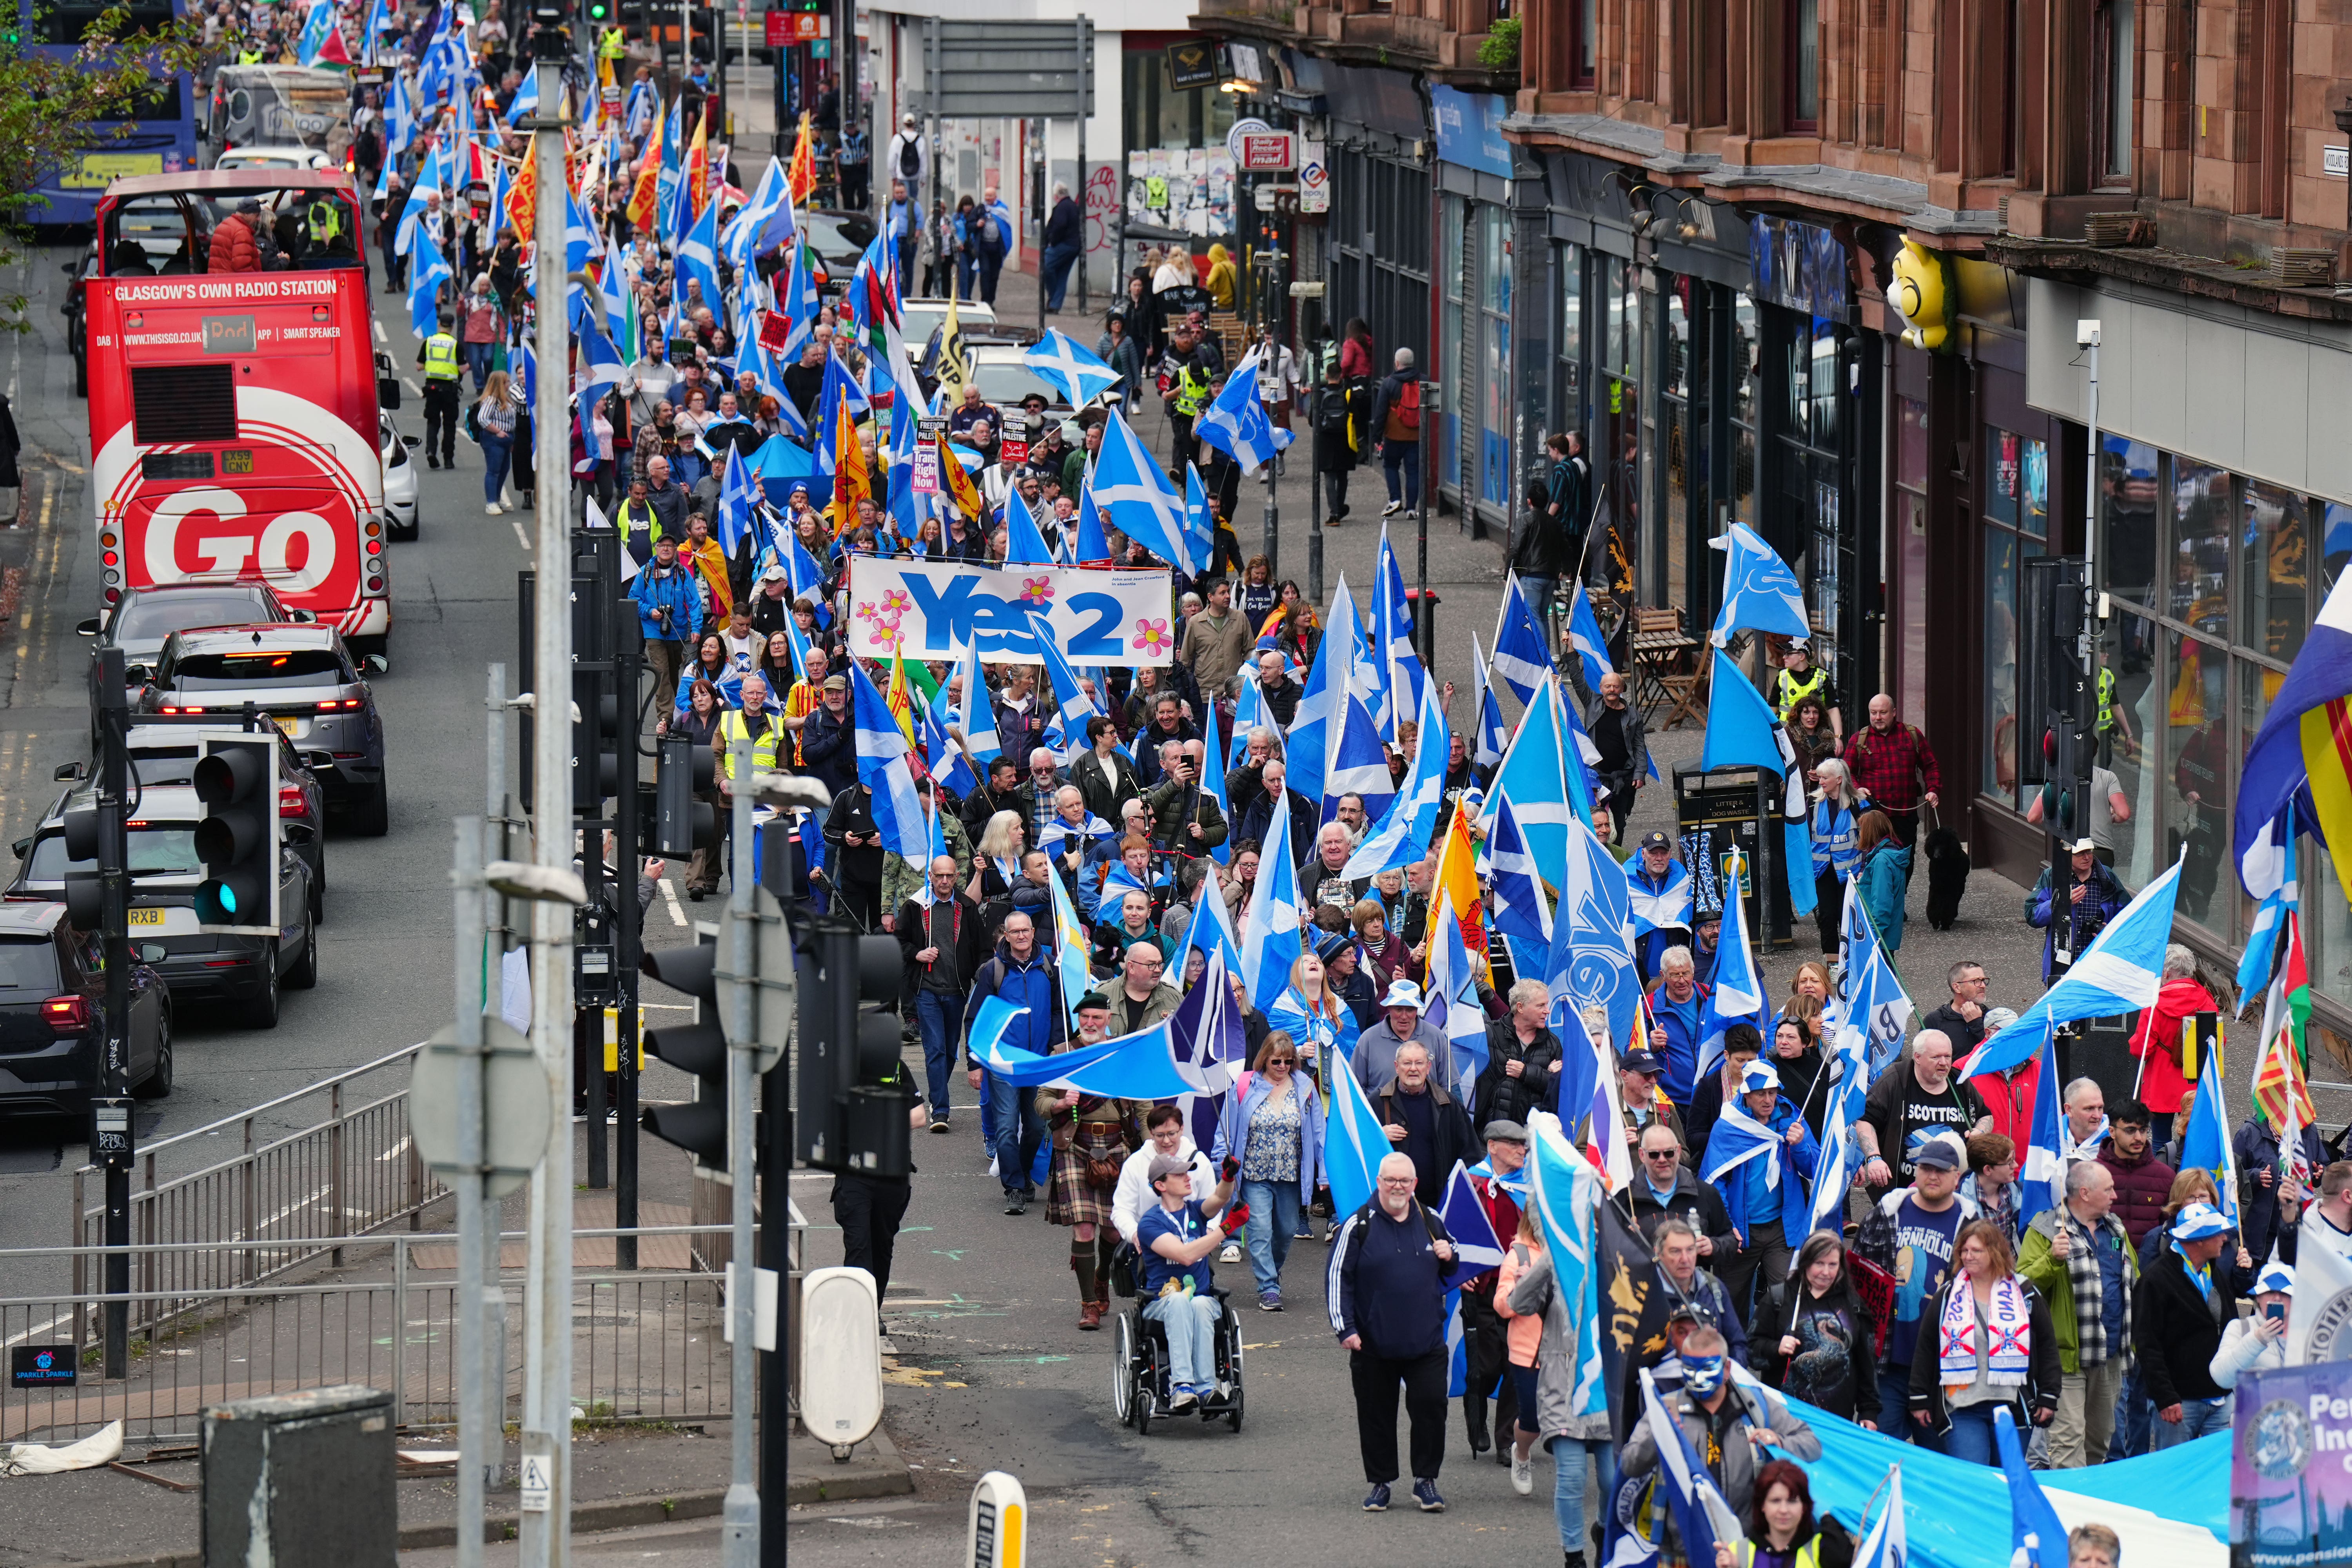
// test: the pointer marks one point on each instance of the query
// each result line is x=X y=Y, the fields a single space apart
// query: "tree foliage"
x=55 y=105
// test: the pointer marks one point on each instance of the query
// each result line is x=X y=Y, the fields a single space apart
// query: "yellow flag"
x=852 y=482
x=800 y=176
x=957 y=481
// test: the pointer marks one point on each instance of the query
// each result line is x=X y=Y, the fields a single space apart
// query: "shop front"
x=1377 y=240
x=1473 y=360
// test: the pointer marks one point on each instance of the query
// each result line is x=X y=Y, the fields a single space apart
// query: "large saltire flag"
x=1760 y=591
x=1548 y=795
x=1354 y=1144
x=1742 y=730
x=1270 y=942
x=1139 y=1066
x=884 y=753
x=1521 y=658
x=2040 y=1173
x=1401 y=836
x=1567 y=1192
x=2305 y=742
x=1322 y=705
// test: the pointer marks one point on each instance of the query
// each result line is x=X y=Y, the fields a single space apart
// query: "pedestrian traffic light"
x=597 y=12
x=683 y=819
x=238 y=841
x=698 y=1050
x=85 y=900
x=848 y=1119
x=597 y=737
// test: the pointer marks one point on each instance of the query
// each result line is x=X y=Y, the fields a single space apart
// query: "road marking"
x=669 y=897
x=521 y=537
x=394 y=1152
x=410 y=382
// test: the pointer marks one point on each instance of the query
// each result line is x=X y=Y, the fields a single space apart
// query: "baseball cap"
x=772 y=574
x=2197 y=1222
x=1509 y=1132
x=836 y=683
x=1642 y=1061
x=1658 y=841
x=1759 y=1076
x=1939 y=1153
x=907 y=118
x=1165 y=1165
x=1403 y=994
x=1999 y=1018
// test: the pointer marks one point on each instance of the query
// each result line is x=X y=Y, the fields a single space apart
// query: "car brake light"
x=168 y=708
x=290 y=801
x=67 y=1015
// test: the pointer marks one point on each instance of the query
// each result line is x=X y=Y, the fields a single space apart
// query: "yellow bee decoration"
x=1921 y=294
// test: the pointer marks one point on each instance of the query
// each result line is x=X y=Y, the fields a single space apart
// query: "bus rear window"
x=171 y=402
x=213 y=671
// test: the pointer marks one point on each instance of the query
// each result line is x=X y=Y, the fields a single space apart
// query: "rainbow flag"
x=2303 y=752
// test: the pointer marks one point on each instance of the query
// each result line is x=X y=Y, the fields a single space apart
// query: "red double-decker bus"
x=235 y=430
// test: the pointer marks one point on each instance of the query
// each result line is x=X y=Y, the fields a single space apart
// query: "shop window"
x=2199 y=594
x=2198 y=760
x=1568 y=396
x=2016 y=521
x=1495 y=336
x=1801 y=62
x=2128 y=730
x=1746 y=341
x=1453 y=272
x=2128 y=518
x=1674 y=429
x=2115 y=90
x=2274 y=601
x=1910 y=550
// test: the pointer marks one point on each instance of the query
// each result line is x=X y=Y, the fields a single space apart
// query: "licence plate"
x=146 y=916
x=285 y=722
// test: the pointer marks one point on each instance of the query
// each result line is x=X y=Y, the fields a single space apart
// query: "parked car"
x=52 y=997
x=399 y=479
x=296 y=157
x=839 y=240
x=196 y=965
x=305 y=680
x=919 y=318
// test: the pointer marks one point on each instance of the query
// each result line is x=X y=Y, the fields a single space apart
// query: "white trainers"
x=494 y=509
x=1523 y=1476
x=1393 y=508
x=1231 y=1253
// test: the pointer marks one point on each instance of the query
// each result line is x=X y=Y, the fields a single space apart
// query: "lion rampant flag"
x=801 y=175
x=522 y=196
x=644 y=196
x=698 y=165
x=852 y=481
x=957 y=479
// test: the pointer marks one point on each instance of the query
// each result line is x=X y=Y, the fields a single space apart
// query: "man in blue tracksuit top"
x=1761 y=1157
x=1018 y=973
x=1387 y=1291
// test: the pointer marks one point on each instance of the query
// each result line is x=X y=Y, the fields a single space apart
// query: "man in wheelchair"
x=1176 y=1236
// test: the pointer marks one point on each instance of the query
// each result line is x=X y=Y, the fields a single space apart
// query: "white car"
x=399 y=480
x=293 y=156
x=919 y=318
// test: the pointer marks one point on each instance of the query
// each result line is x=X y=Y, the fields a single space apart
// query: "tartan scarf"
x=2083 y=1276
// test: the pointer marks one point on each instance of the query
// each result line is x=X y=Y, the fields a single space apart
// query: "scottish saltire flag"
x=1270 y=942
x=1584 y=634
x=1321 y=710
x=2037 y=1538
x=2269 y=865
x=1091 y=545
x=1359 y=765
x=2040 y=1173
x=1211 y=930
x=582 y=241
x=1702 y=1517
x=1212 y=785
x=1492 y=738
x=400 y=121
x=1404 y=677
x=1080 y=373
x=379 y=22
x=1591 y=960
x=883 y=767
x=1567 y=1190
x=762 y=223
x=2205 y=1144
x=1738 y=994
x=1760 y=591
x=1580 y=759
x=1129 y=484
x=1249 y=712
x=1535 y=775
x=2304 y=751
x=1354 y=1144
x=948 y=762
x=432 y=174
x=2120 y=972
x=1452 y=999
x=526 y=99
x=316 y=27
x=1199 y=527
x=1141 y=1065
x=427 y=271
x=1742 y=730
x=1883 y=1544
x=1072 y=706
x=1519 y=658
x=1476 y=1247
x=1845 y=1078
x=698 y=258
x=799 y=305
x=1024 y=545
x=738 y=492
x=1401 y=835
x=637 y=114
x=1236 y=422
x=1520 y=908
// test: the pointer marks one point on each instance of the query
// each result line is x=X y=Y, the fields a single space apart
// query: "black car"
x=839 y=240
x=306 y=681
x=196 y=965
x=52 y=1001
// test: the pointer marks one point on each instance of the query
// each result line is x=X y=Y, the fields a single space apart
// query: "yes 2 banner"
x=934 y=610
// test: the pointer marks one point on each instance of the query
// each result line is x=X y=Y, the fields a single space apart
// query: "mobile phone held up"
x=2274 y=1310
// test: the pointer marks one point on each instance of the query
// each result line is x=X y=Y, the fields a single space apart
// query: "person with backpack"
x=1334 y=450
x=992 y=232
x=1396 y=430
x=902 y=221
x=1021 y=974
x=909 y=160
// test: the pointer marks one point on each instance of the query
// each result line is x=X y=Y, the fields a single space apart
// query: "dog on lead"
x=1948 y=877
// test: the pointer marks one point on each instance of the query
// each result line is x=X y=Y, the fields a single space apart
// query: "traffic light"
x=597 y=737
x=85 y=900
x=849 y=1120
x=598 y=12
x=681 y=822
x=698 y=1048
x=238 y=841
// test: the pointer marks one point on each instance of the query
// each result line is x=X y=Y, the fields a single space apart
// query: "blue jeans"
x=1405 y=456
x=497 y=452
x=1970 y=1437
x=1568 y=1456
x=477 y=361
x=1274 y=1220
x=1894 y=1409
x=2135 y=1419
x=988 y=1112
x=1539 y=591
x=1192 y=1325
x=1018 y=1132
x=967 y=277
x=1054 y=267
x=2198 y=1418
x=936 y=1017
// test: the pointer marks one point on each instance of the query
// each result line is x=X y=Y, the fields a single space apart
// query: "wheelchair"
x=1139 y=1383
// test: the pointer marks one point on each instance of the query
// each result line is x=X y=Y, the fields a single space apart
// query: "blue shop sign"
x=1470 y=130
x=1801 y=265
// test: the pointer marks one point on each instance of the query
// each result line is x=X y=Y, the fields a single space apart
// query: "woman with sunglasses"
x=1274 y=1127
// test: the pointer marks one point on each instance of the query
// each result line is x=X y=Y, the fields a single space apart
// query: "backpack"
x=1409 y=406
x=910 y=158
x=990 y=232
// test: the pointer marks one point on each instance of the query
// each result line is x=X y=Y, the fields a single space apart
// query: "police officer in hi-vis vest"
x=1800 y=678
x=438 y=360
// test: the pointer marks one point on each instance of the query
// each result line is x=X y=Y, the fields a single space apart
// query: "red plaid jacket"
x=1896 y=768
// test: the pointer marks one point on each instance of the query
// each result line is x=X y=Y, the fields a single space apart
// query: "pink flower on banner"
x=1036 y=590
x=886 y=635
x=1151 y=637
x=896 y=604
x=865 y=612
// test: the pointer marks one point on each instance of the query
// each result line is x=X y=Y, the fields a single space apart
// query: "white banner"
x=934 y=610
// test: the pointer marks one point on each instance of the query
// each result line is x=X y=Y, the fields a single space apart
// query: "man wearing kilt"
x=1092 y=1137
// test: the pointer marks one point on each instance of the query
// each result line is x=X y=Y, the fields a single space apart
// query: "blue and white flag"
x=1404 y=678
x=1212 y=929
x=738 y=493
x=1742 y=730
x=799 y=304
x=432 y=174
x=427 y=271
x=1024 y=545
x=2205 y=1143
x=1129 y=484
x=1591 y=961
x=1270 y=944
x=883 y=768
x=1520 y=908
x=400 y=121
x=1877 y=1010
x=1883 y=1544
x=1080 y=373
x=1212 y=785
x=1141 y=1065
x=2036 y=1537
x=1738 y=994
x=1359 y=765
x=583 y=241
x=1072 y=706
x=1476 y=1247
x=526 y=99
x=1584 y=633
x=980 y=740
x=1760 y=591
x=698 y=260
x=1199 y=526
x=1566 y=1198
x=1519 y=658
x=763 y=222
x=1070 y=949
x=316 y=27
x=1401 y=836
x=1236 y=422
x=1453 y=1008
x=379 y=22
x=1354 y=1144
x=1702 y=1517
x=2040 y=1172
x=2120 y=972
x=1491 y=738
x=2270 y=867
x=949 y=766
x=1535 y=775
x=1322 y=705
x=1249 y=712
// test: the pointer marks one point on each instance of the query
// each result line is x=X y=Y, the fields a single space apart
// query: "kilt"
x=1068 y=1199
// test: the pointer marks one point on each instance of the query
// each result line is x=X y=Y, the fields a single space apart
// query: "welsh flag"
x=2281 y=1092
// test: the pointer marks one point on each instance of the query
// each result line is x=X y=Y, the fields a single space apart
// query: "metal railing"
x=647 y=1345
x=306 y=1193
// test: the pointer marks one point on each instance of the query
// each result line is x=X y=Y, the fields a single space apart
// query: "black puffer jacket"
x=1501 y=1096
